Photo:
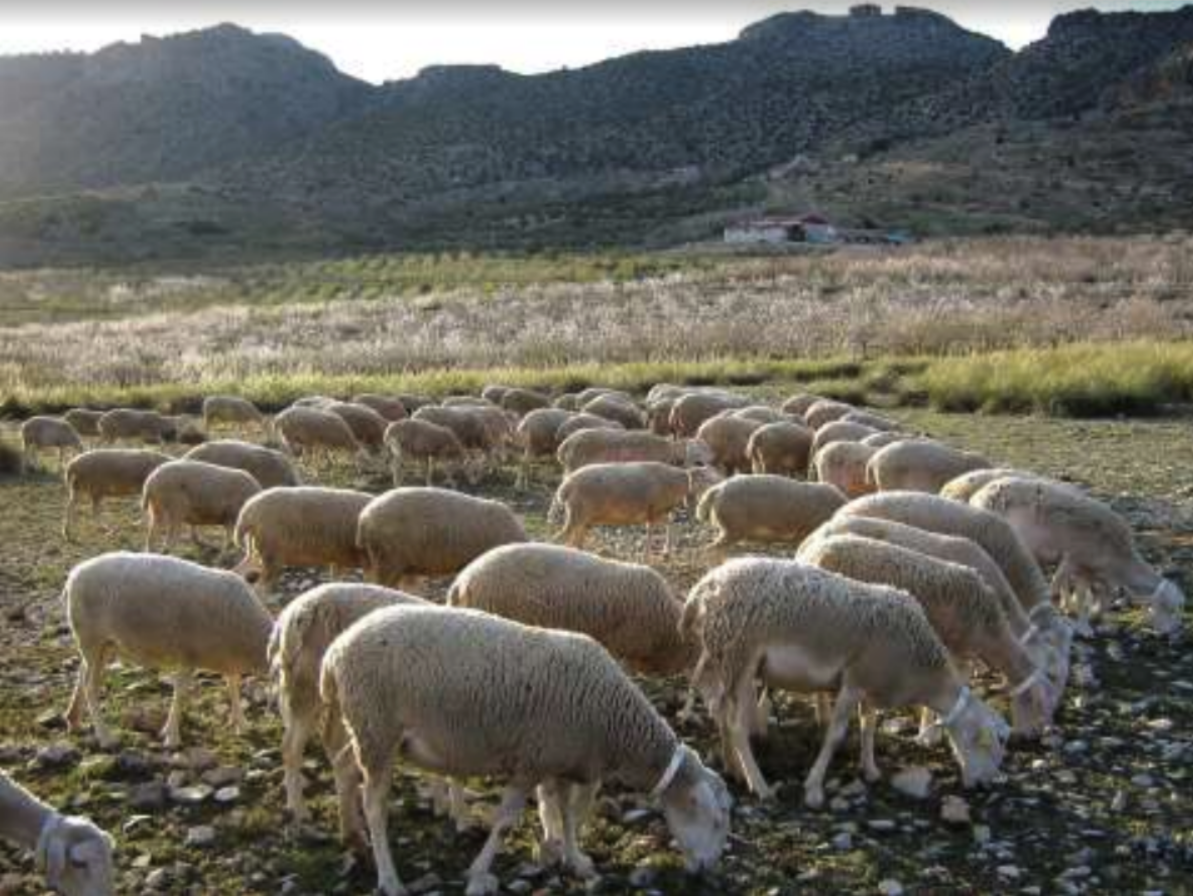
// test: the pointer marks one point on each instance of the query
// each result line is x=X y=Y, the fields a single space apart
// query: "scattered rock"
x=191 y=795
x=1011 y=872
x=426 y=883
x=56 y=756
x=843 y=842
x=200 y=836
x=147 y=797
x=954 y=810
x=890 y=887
x=915 y=782
x=227 y=794
x=157 y=879
x=882 y=825
x=222 y=776
x=643 y=877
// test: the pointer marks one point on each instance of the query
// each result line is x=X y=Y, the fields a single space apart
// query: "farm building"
x=805 y=229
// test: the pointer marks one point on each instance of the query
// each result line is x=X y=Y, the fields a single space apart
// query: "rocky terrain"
x=224 y=141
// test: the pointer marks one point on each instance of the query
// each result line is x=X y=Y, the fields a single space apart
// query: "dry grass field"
x=1103 y=806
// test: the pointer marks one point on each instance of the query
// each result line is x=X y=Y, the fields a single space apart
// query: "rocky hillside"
x=226 y=141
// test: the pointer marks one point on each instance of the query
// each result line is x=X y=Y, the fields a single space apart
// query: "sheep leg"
x=376 y=789
x=550 y=849
x=929 y=734
x=741 y=721
x=195 y=539
x=762 y=710
x=824 y=709
x=847 y=699
x=481 y=882
x=69 y=517
x=646 y=544
x=294 y=739
x=395 y=469
x=237 y=711
x=868 y=722
x=348 y=779
x=578 y=803
x=669 y=543
x=94 y=666
x=151 y=530
x=172 y=732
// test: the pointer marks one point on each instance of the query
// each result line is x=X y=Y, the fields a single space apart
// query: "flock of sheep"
x=914 y=560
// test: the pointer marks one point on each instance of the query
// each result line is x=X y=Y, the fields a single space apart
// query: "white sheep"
x=616 y=408
x=964 y=611
x=800 y=628
x=163 y=613
x=1092 y=544
x=232 y=409
x=299 y=526
x=843 y=464
x=579 y=422
x=522 y=401
x=628 y=608
x=423 y=441
x=367 y=425
x=799 y=403
x=467 y=694
x=538 y=436
x=690 y=411
x=130 y=424
x=48 y=432
x=965 y=486
x=84 y=421
x=389 y=407
x=317 y=432
x=303 y=632
x=729 y=438
x=74 y=855
x=476 y=432
x=772 y=509
x=920 y=465
x=410 y=532
x=625 y=494
x=780 y=449
x=872 y=420
x=193 y=493
x=106 y=473
x=762 y=413
x=840 y=431
x=269 y=467
x=883 y=438
x=602 y=446
x=826 y=411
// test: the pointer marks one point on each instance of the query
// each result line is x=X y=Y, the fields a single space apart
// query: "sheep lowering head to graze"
x=232 y=409
x=616 y=408
x=795 y=627
x=629 y=609
x=840 y=431
x=367 y=425
x=626 y=494
x=579 y=422
x=84 y=421
x=965 y=552
x=800 y=403
x=423 y=441
x=538 y=436
x=163 y=613
x=826 y=411
x=766 y=509
x=130 y=424
x=729 y=437
x=603 y=446
x=920 y=465
x=387 y=406
x=843 y=464
x=522 y=401
x=106 y=473
x=872 y=420
x=780 y=449
x=48 y=432
x=690 y=411
x=316 y=431
x=300 y=526
x=464 y=694
x=964 y=611
x=965 y=486
x=476 y=431
x=411 y=532
x=303 y=632
x=883 y=438
x=1092 y=544
x=269 y=467
x=193 y=493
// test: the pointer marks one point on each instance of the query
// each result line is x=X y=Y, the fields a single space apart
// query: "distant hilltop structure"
x=810 y=229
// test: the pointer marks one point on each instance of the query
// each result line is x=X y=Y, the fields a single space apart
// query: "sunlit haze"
x=381 y=42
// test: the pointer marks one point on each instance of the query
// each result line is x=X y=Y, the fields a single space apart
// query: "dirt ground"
x=1105 y=804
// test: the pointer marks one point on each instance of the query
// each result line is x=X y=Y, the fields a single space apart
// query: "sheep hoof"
x=107 y=742
x=482 y=885
x=582 y=866
x=814 y=797
x=929 y=737
x=871 y=775
x=548 y=852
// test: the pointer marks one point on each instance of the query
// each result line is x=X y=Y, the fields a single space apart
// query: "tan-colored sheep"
x=368 y=426
x=232 y=409
x=84 y=421
x=317 y=432
x=843 y=464
x=882 y=439
x=840 y=431
x=421 y=440
x=522 y=401
x=601 y=446
x=770 y=509
x=729 y=437
x=269 y=467
x=780 y=449
x=615 y=408
x=690 y=411
x=872 y=420
x=965 y=486
x=579 y=422
x=389 y=407
x=106 y=473
x=48 y=432
x=800 y=403
x=826 y=411
x=193 y=493
x=538 y=436
x=920 y=465
x=132 y=425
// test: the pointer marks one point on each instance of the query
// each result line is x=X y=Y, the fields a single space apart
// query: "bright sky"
x=380 y=41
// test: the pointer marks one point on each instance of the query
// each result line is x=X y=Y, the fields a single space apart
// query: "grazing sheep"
x=874 y=421
x=619 y=410
x=603 y=446
x=232 y=409
x=300 y=526
x=466 y=401
x=410 y=532
x=579 y=422
x=475 y=432
x=1092 y=544
x=106 y=473
x=74 y=855
x=163 y=613
x=780 y=449
x=766 y=508
x=826 y=411
x=965 y=486
x=762 y=414
x=494 y=393
x=966 y=553
x=185 y=430
x=990 y=532
x=800 y=403
x=840 y=431
x=729 y=437
x=799 y=628
x=522 y=401
x=194 y=493
x=538 y=436
x=466 y=694
x=412 y=402
x=843 y=464
x=314 y=401
x=368 y=426
x=625 y=494
x=882 y=439
x=421 y=440
x=569 y=401
x=48 y=432
x=129 y=424
x=964 y=611
x=658 y=416
x=303 y=632
x=387 y=406
x=629 y=609
x=84 y=421
x=920 y=465
x=316 y=431
x=690 y=411
x=269 y=467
